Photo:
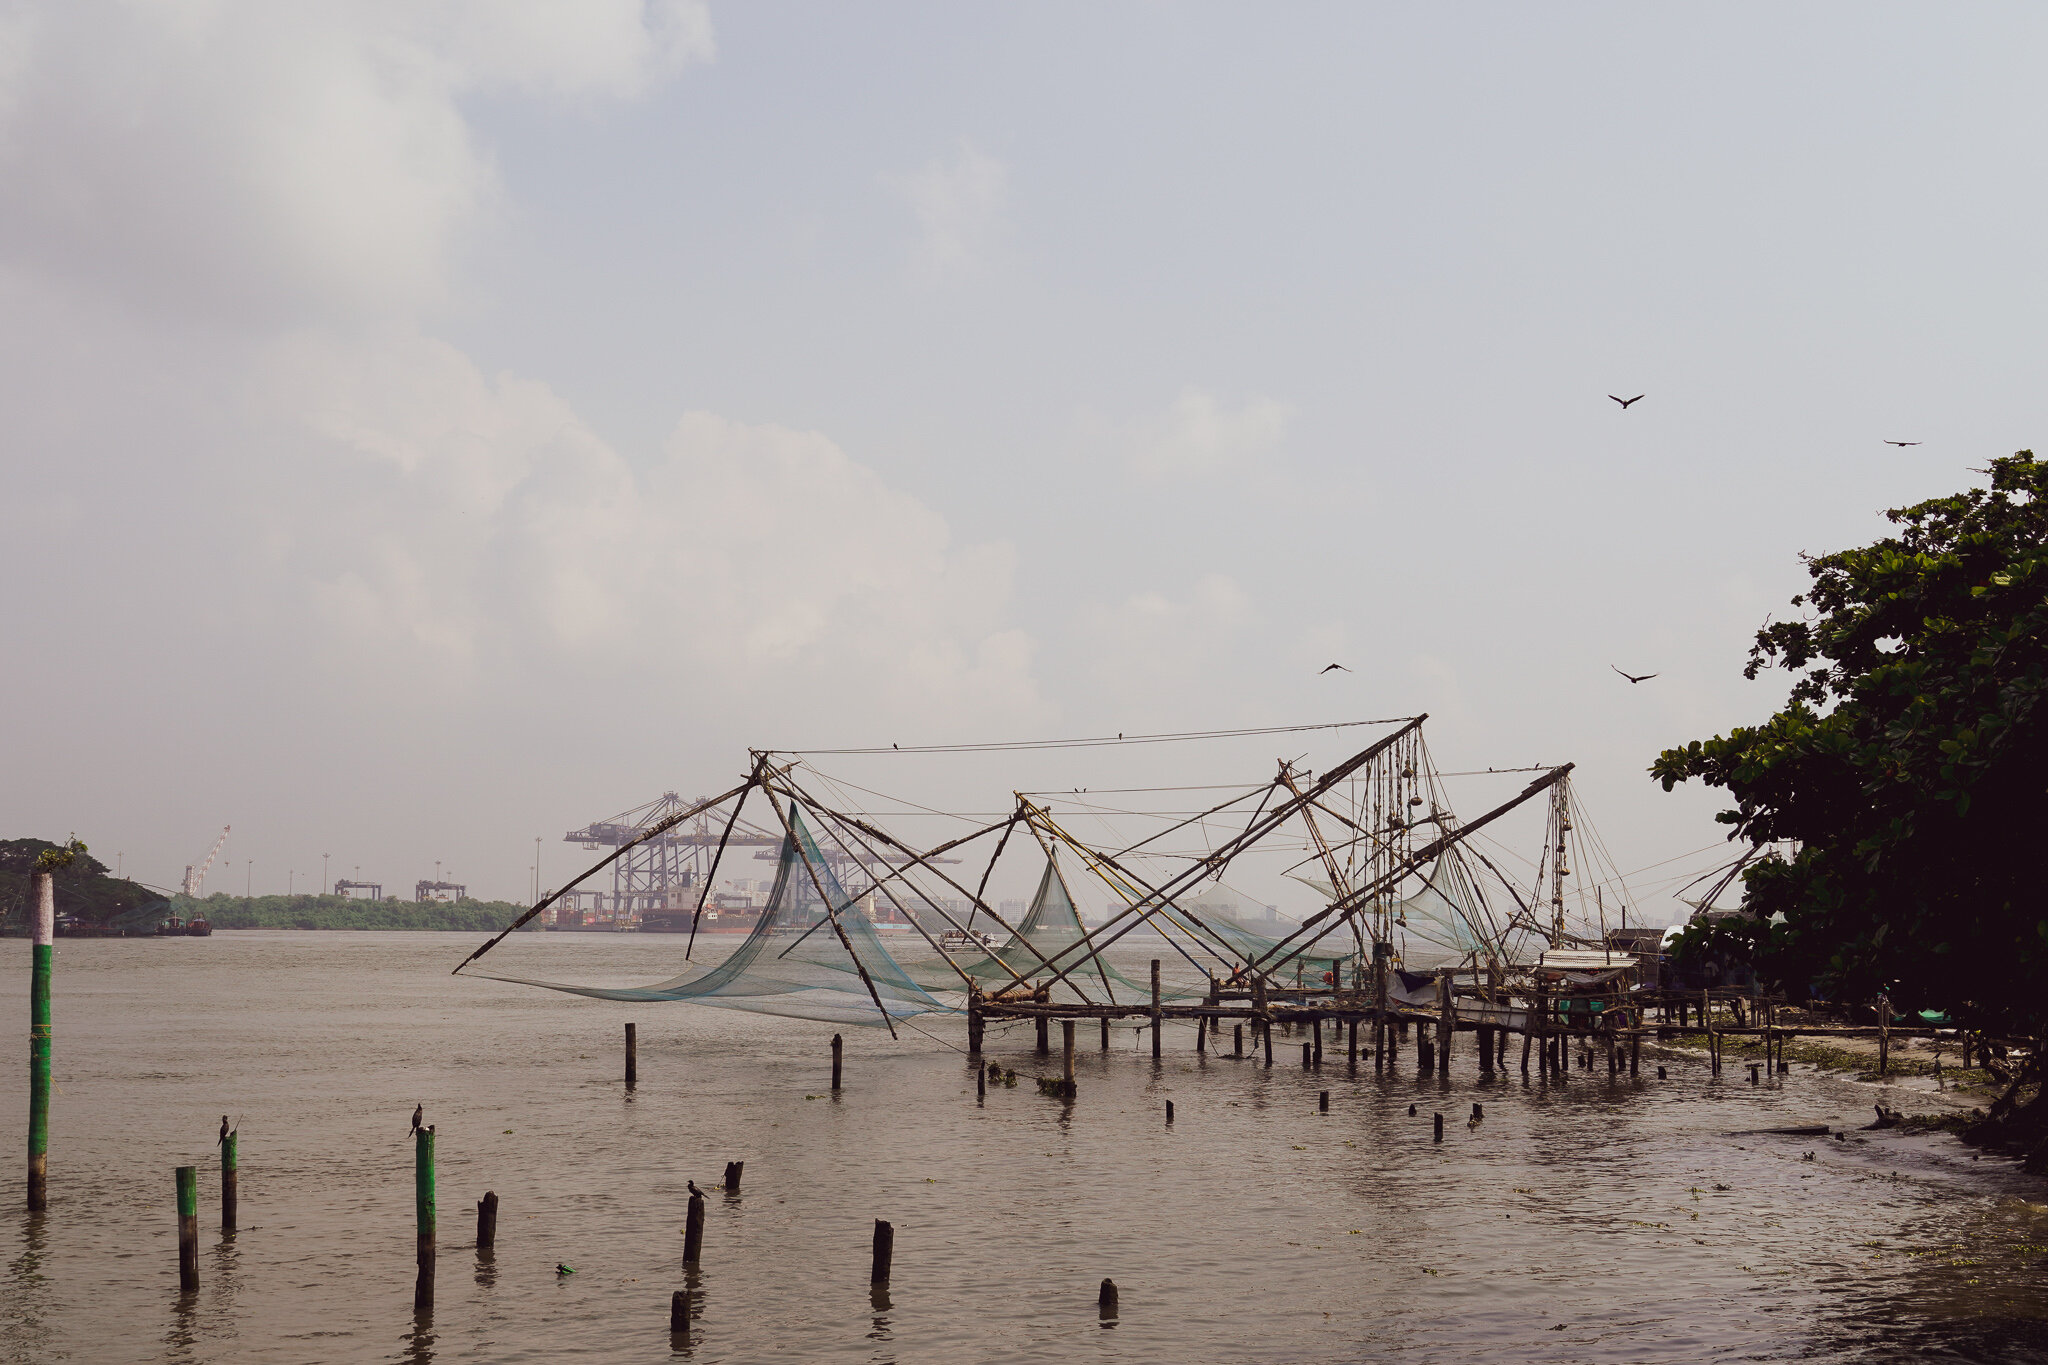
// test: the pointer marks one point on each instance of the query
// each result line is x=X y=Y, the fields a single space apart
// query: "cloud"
x=958 y=203
x=1197 y=435
x=241 y=160
x=490 y=528
x=1153 y=646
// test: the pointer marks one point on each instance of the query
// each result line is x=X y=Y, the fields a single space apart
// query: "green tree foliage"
x=84 y=890
x=1907 y=770
x=223 y=911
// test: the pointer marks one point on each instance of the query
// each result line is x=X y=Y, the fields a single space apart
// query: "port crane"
x=196 y=877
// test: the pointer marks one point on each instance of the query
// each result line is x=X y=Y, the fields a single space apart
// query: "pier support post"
x=679 y=1315
x=838 y=1049
x=487 y=1221
x=423 y=1214
x=1201 y=1035
x=1044 y=1035
x=42 y=931
x=975 y=1024
x=188 y=1228
x=885 y=1252
x=1155 y=1009
x=1486 y=1049
x=1067 y=1046
x=1446 y=1024
x=632 y=1055
x=693 y=1231
x=1105 y=1033
x=733 y=1171
x=1351 y=1047
x=1237 y=1040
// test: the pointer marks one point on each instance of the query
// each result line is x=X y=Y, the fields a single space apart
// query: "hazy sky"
x=430 y=425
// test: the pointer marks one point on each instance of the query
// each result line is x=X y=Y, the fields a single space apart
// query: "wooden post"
x=1044 y=1035
x=1323 y=1102
x=1525 y=1051
x=980 y=1084
x=1067 y=1046
x=1635 y=1052
x=1317 y=1024
x=1539 y=1018
x=42 y=935
x=1486 y=1049
x=1169 y=1111
x=188 y=1228
x=1105 y=1033
x=1351 y=1048
x=1201 y=1035
x=1268 y=1032
x=632 y=1056
x=1439 y=1128
x=1308 y=1055
x=733 y=1171
x=679 y=1314
x=1446 y=1023
x=1105 y=1299
x=1884 y=1034
x=885 y=1251
x=487 y=1221
x=693 y=1231
x=230 y=1180
x=1237 y=1040
x=1424 y=1060
x=975 y=1023
x=423 y=1213
x=1155 y=1009
x=838 y=1046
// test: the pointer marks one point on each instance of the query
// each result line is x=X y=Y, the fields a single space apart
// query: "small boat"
x=171 y=928
x=199 y=927
x=970 y=938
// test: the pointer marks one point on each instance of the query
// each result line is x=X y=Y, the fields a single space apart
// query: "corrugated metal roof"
x=1584 y=959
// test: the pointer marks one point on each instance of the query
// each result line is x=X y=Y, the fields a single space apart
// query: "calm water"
x=1588 y=1221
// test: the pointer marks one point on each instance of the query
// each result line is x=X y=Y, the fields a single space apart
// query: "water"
x=1584 y=1222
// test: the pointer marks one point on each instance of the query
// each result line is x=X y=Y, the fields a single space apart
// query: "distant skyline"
x=429 y=426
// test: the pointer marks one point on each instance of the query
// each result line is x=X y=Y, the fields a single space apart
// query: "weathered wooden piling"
x=980 y=1084
x=1754 y=1068
x=885 y=1251
x=838 y=1050
x=1067 y=1047
x=679 y=1313
x=1660 y=1073
x=1201 y=1036
x=1439 y=1128
x=487 y=1221
x=230 y=1180
x=693 y=1231
x=1155 y=1008
x=1105 y=1299
x=1884 y=1034
x=1635 y=1052
x=188 y=1228
x=975 y=1023
x=1323 y=1102
x=1316 y=1026
x=423 y=1217
x=1308 y=1056
x=1237 y=1040
x=632 y=1055
x=1446 y=1024
x=1351 y=1048
x=1169 y=1111
x=1486 y=1049
x=1044 y=1024
x=1267 y=1031
x=42 y=935
x=733 y=1171
x=1105 y=1033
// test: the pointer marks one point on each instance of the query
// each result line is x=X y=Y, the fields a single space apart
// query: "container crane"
x=195 y=878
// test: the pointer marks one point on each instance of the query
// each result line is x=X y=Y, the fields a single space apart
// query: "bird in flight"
x=1626 y=401
x=1333 y=668
x=1902 y=443
x=1632 y=677
x=419 y=1111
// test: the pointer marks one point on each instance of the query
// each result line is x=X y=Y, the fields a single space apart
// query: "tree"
x=1908 y=771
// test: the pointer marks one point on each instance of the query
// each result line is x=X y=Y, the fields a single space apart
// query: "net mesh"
x=1051 y=926
x=804 y=958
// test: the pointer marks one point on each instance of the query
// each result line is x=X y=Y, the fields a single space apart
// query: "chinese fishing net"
x=1050 y=927
x=800 y=959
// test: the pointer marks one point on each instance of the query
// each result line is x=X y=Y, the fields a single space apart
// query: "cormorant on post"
x=693 y=1187
x=223 y=1132
x=419 y=1111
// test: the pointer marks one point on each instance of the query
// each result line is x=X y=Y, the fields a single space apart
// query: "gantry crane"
x=196 y=877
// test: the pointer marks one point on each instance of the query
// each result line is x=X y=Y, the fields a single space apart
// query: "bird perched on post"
x=419 y=1111
x=693 y=1187
x=1631 y=676
x=223 y=1141
x=1626 y=401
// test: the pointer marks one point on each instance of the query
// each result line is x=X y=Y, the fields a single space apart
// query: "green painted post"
x=230 y=1180
x=42 y=933
x=423 y=1203
x=188 y=1228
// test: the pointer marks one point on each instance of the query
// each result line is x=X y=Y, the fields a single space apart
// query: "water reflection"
x=27 y=1335
x=419 y=1342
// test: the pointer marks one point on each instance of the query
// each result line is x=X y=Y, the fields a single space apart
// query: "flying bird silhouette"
x=1632 y=677
x=1333 y=668
x=419 y=1111
x=1902 y=443
x=1626 y=401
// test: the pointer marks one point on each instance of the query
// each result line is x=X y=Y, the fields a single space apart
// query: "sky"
x=432 y=424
